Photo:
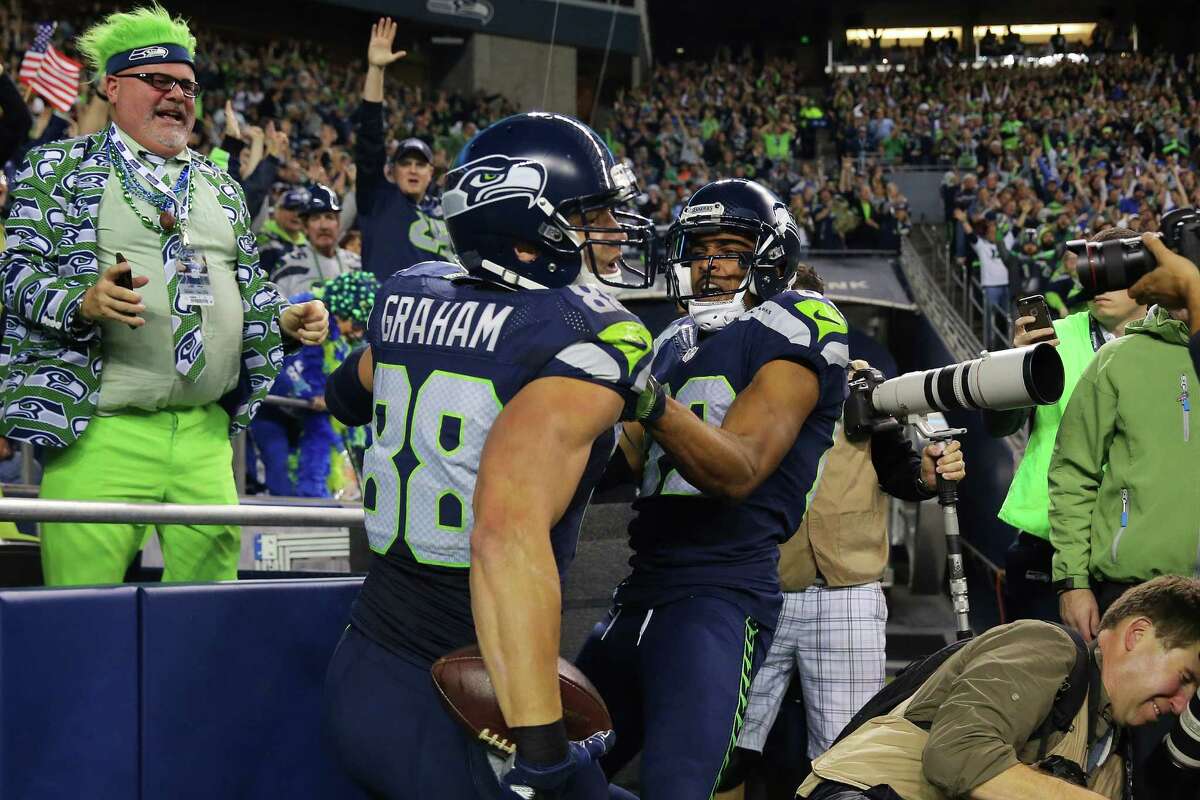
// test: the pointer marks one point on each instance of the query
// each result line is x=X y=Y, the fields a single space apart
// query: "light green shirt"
x=139 y=365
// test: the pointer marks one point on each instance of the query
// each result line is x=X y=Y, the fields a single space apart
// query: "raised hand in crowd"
x=379 y=56
x=316 y=173
x=232 y=128
x=251 y=158
x=277 y=142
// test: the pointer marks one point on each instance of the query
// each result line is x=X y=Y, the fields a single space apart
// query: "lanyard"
x=176 y=196
x=1097 y=334
x=337 y=257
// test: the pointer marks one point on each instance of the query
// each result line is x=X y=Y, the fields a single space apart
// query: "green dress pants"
x=179 y=456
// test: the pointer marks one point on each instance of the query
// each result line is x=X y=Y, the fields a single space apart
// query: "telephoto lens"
x=1115 y=264
x=1183 y=742
x=1017 y=378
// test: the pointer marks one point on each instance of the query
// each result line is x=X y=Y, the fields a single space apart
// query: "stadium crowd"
x=294 y=105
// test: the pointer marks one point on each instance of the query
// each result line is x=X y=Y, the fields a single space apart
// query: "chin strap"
x=507 y=276
x=711 y=317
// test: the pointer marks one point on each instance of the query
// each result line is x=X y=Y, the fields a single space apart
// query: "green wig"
x=350 y=295
x=125 y=30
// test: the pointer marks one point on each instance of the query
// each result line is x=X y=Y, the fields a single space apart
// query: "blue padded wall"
x=69 y=693
x=231 y=689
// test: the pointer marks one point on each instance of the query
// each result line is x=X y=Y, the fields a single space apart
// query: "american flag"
x=48 y=72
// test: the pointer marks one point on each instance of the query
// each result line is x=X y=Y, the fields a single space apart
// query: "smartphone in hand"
x=1035 y=306
x=125 y=279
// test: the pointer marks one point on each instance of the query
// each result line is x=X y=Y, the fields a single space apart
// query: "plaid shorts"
x=835 y=637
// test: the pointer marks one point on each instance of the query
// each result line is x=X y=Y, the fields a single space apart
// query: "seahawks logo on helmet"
x=492 y=179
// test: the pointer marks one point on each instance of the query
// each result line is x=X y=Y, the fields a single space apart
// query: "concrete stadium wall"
x=923 y=190
x=516 y=68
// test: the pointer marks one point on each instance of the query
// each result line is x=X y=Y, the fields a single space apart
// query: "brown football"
x=467 y=693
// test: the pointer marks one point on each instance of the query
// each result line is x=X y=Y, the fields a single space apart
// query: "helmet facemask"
x=578 y=225
x=711 y=305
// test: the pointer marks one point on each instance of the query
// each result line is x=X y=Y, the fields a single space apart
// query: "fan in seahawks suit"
x=494 y=388
x=740 y=410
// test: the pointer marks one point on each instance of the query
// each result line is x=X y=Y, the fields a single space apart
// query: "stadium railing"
x=34 y=509
x=961 y=288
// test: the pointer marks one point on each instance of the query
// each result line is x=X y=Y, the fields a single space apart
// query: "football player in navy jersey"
x=739 y=411
x=494 y=388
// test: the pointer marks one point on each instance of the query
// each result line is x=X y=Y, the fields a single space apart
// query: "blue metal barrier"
x=69 y=693
x=171 y=691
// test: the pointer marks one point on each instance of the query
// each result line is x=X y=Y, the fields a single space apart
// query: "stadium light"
x=907 y=36
x=1041 y=31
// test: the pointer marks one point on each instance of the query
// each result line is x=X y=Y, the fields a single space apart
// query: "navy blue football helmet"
x=544 y=180
x=750 y=211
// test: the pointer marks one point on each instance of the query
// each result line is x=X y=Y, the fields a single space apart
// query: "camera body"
x=859 y=417
x=1119 y=263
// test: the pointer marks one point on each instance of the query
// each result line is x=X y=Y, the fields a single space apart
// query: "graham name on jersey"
x=444 y=323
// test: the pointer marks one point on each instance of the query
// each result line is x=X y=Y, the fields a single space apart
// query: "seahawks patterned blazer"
x=50 y=359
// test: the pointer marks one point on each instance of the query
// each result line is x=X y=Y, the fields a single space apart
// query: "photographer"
x=1123 y=504
x=831 y=628
x=976 y=726
x=1029 y=593
x=1174 y=284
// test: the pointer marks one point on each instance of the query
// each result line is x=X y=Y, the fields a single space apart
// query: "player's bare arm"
x=631 y=441
x=733 y=460
x=529 y=471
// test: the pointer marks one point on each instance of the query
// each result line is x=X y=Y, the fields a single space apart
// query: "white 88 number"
x=450 y=417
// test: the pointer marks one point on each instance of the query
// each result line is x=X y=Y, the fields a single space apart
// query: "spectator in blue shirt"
x=397 y=230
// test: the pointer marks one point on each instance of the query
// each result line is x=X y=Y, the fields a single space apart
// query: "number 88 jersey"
x=450 y=351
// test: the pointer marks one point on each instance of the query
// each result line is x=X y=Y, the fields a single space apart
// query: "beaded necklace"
x=130 y=186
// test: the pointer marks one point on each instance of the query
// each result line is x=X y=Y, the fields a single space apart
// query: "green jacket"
x=50 y=359
x=1027 y=505
x=1125 y=475
x=272 y=232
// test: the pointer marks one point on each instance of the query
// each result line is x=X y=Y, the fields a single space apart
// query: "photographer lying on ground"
x=975 y=727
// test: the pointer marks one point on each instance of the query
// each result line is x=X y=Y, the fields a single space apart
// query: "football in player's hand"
x=468 y=695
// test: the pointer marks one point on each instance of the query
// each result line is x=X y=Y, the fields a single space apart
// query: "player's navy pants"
x=388 y=729
x=676 y=680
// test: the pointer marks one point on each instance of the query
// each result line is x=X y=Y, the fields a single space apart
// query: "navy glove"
x=577 y=777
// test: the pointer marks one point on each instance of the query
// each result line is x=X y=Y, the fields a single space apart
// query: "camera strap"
x=1083 y=680
x=1097 y=332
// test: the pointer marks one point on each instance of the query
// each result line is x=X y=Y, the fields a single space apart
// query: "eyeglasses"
x=165 y=83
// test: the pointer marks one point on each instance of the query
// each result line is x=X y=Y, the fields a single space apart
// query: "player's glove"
x=578 y=776
x=651 y=403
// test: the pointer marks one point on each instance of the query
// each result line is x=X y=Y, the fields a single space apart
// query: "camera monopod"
x=1017 y=378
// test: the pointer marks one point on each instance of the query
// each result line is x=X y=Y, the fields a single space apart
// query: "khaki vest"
x=888 y=750
x=844 y=532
